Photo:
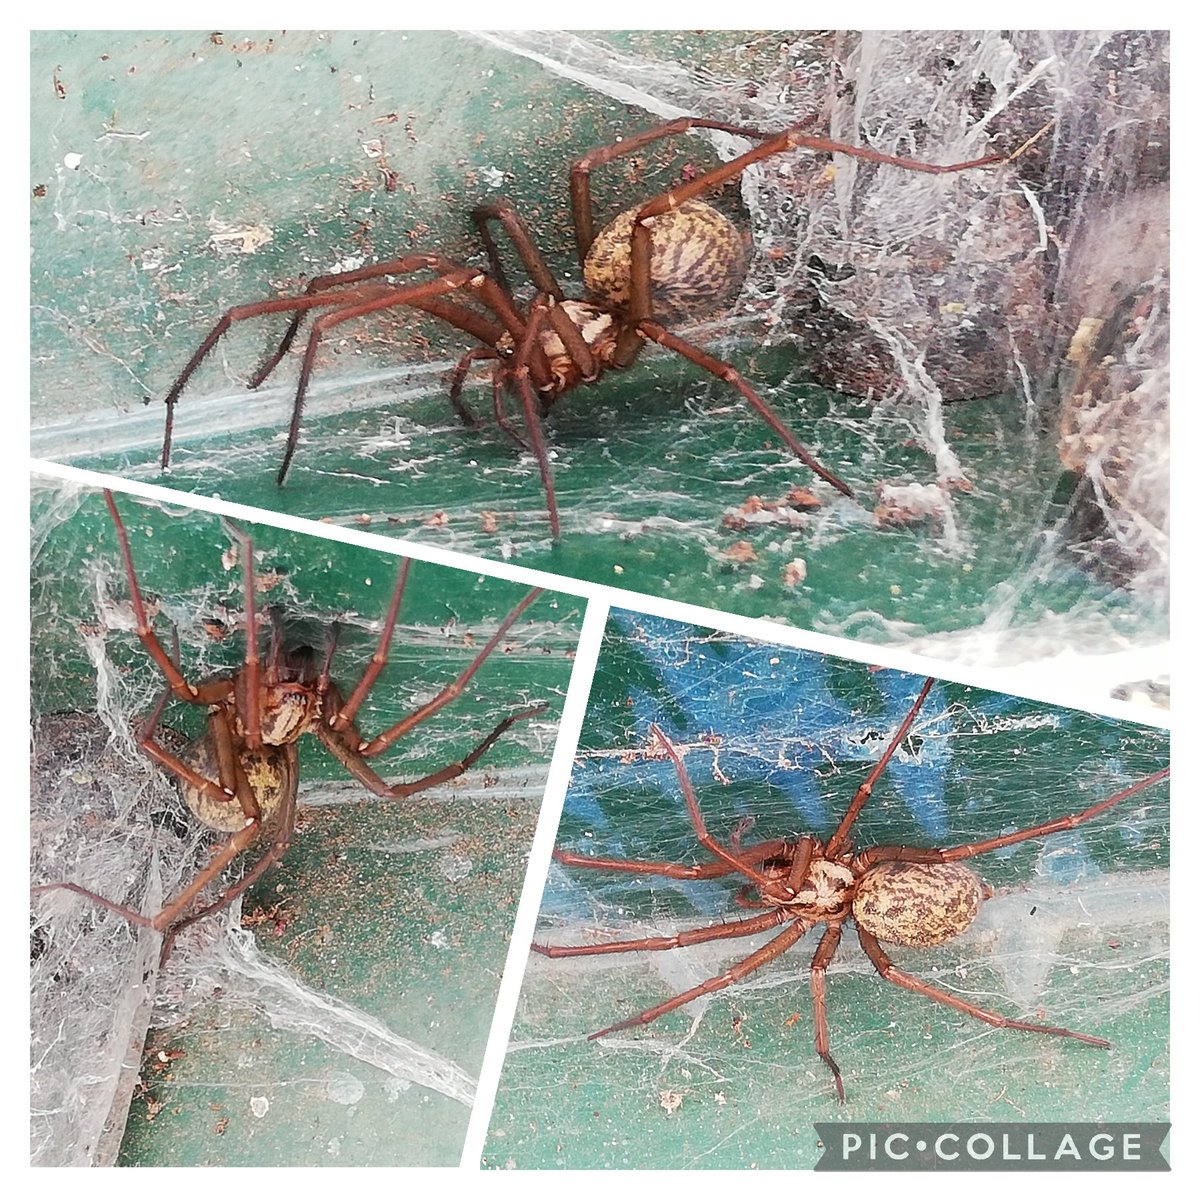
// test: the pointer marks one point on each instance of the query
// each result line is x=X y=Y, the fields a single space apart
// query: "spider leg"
x=751 y=963
x=222 y=856
x=179 y=686
x=893 y=974
x=581 y=196
x=863 y=794
x=820 y=964
x=346 y=281
x=722 y=370
x=703 y=836
x=285 y=830
x=346 y=711
x=252 y=666
x=954 y=853
x=451 y=692
x=339 y=745
x=533 y=422
x=501 y=416
x=747 y=855
x=640 y=247
x=424 y=296
x=390 y=298
x=465 y=415
x=244 y=312
x=685 y=937
x=513 y=224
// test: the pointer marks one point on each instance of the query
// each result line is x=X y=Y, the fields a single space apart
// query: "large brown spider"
x=240 y=776
x=672 y=257
x=904 y=895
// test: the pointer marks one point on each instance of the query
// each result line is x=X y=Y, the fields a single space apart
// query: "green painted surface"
x=1076 y=934
x=132 y=265
x=400 y=911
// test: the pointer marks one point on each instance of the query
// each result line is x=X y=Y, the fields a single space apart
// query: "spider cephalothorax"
x=240 y=776
x=672 y=258
x=902 y=895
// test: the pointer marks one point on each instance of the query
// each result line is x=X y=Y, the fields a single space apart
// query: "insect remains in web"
x=672 y=258
x=240 y=776
x=894 y=894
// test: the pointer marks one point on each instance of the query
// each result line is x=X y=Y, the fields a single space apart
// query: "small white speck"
x=345 y=1088
x=72 y=161
x=259 y=1106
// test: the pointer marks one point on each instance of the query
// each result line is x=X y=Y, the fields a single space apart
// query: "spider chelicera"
x=670 y=258
x=903 y=895
x=240 y=776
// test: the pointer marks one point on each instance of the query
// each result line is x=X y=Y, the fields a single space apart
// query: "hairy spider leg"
x=514 y=225
x=457 y=280
x=702 y=835
x=341 y=721
x=685 y=937
x=343 y=746
x=459 y=378
x=145 y=632
x=282 y=839
x=347 y=711
x=752 y=855
x=475 y=323
x=223 y=855
x=519 y=373
x=947 y=854
x=816 y=976
x=252 y=667
x=352 y=291
x=216 y=691
x=723 y=370
x=499 y=378
x=747 y=966
x=543 y=310
x=841 y=834
x=582 y=210
x=893 y=974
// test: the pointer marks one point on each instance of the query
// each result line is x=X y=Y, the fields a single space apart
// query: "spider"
x=903 y=895
x=672 y=257
x=240 y=776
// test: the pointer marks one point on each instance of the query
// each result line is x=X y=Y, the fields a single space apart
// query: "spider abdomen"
x=271 y=772
x=917 y=904
x=697 y=264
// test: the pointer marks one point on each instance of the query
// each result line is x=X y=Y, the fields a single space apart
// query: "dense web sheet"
x=385 y=914
x=852 y=284
x=1076 y=934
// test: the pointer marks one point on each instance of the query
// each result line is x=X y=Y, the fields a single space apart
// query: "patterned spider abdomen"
x=271 y=772
x=917 y=904
x=697 y=264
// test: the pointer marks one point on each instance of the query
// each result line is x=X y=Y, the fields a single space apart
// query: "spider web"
x=1076 y=934
x=103 y=816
